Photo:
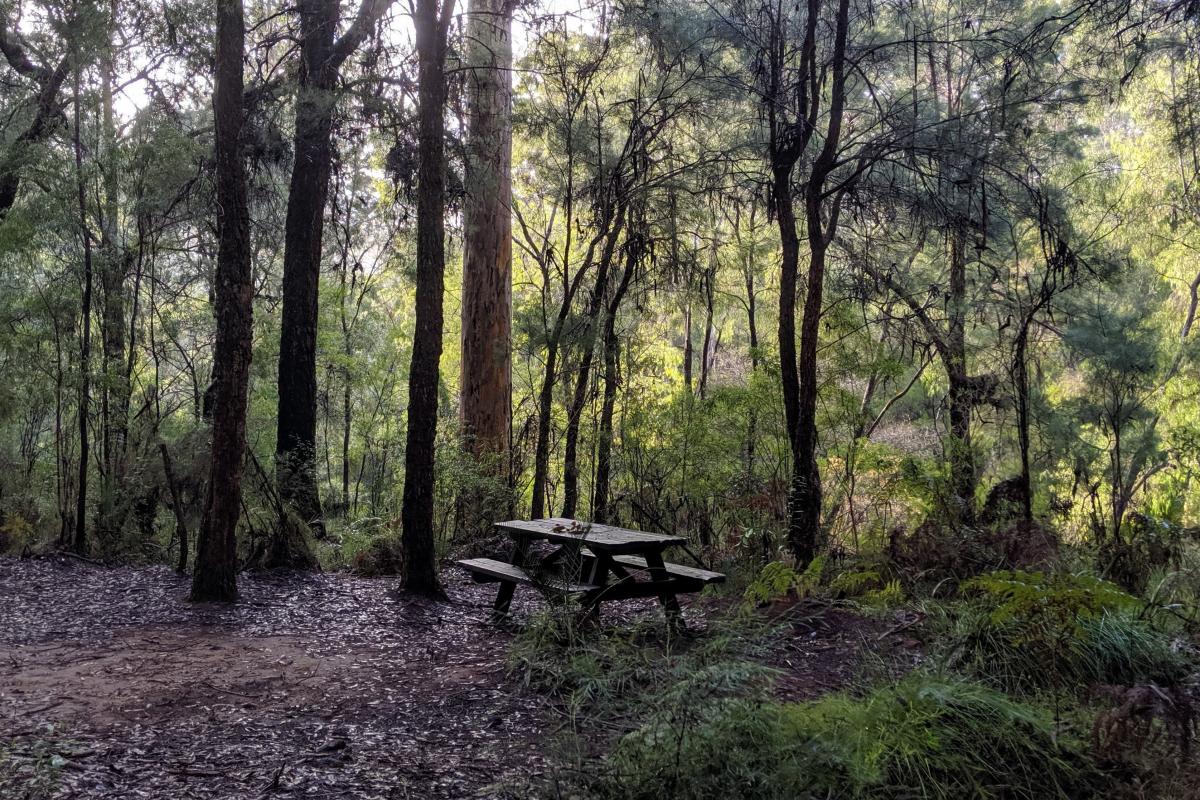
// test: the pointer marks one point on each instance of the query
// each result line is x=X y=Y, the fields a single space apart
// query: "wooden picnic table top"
x=612 y=540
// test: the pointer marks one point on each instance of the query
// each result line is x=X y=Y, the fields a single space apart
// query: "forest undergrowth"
x=1013 y=683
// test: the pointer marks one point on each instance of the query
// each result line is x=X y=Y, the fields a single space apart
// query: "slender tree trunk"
x=609 y=231
x=176 y=507
x=115 y=395
x=541 y=450
x=79 y=544
x=688 y=355
x=420 y=565
x=806 y=477
x=752 y=325
x=612 y=349
x=215 y=573
x=486 y=377
x=785 y=219
x=709 y=347
x=821 y=215
x=1021 y=373
x=582 y=378
x=961 y=394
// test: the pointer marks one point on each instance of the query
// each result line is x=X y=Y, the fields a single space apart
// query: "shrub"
x=381 y=555
x=925 y=736
x=602 y=671
x=1025 y=632
x=779 y=580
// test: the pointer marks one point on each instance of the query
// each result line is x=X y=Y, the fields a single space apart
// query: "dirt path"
x=313 y=686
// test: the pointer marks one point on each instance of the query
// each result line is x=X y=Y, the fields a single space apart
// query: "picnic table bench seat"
x=489 y=570
x=696 y=574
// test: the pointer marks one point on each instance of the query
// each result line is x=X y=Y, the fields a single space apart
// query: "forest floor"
x=314 y=686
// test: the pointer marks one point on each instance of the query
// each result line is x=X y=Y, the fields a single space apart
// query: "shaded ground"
x=321 y=686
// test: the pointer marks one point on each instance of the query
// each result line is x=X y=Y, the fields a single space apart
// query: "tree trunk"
x=582 y=378
x=541 y=450
x=215 y=573
x=79 y=544
x=1021 y=373
x=115 y=396
x=176 y=507
x=486 y=377
x=806 y=495
x=752 y=324
x=296 y=440
x=821 y=216
x=961 y=393
x=420 y=563
x=316 y=100
x=46 y=115
x=612 y=348
x=609 y=231
x=785 y=218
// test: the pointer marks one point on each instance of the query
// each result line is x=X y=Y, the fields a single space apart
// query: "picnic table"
x=599 y=562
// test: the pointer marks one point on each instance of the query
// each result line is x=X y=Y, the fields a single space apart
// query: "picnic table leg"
x=670 y=603
x=505 y=594
x=601 y=568
x=503 y=599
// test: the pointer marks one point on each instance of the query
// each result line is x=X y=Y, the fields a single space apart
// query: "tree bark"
x=115 y=395
x=821 y=217
x=582 y=378
x=583 y=374
x=296 y=425
x=961 y=392
x=176 y=507
x=420 y=563
x=321 y=59
x=609 y=231
x=215 y=574
x=612 y=347
x=485 y=383
x=79 y=544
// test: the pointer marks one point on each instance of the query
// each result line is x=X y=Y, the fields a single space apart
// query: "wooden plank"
x=675 y=570
x=618 y=541
x=696 y=574
x=489 y=570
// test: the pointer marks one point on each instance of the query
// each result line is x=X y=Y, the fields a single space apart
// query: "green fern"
x=778 y=580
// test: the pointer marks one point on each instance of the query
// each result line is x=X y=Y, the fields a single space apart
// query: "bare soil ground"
x=313 y=686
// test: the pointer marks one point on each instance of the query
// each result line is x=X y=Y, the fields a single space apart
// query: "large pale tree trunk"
x=215 y=574
x=486 y=377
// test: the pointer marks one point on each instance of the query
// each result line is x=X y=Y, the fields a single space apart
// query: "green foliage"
x=30 y=769
x=890 y=595
x=1027 y=632
x=868 y=588
x=15 y=533
x=925 y=736
x=779 y=580
x=1038 y=600
x=602 y=672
